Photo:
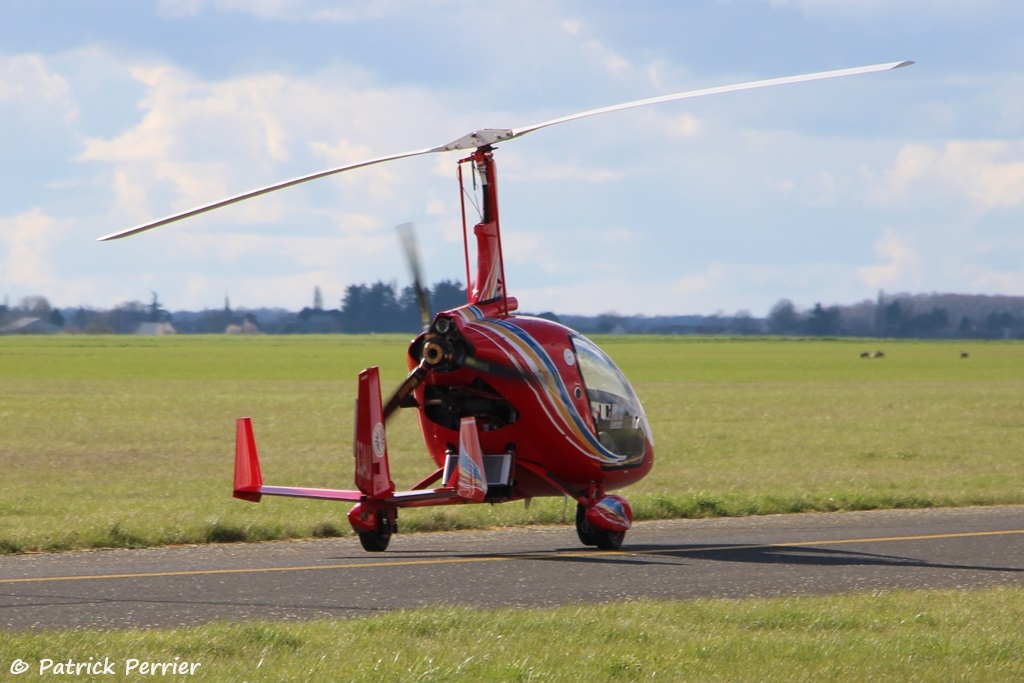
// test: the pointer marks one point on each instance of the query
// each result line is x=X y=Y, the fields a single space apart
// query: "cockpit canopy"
x=619 y=420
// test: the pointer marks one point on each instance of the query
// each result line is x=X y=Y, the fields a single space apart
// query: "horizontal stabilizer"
x=249 y=479
x=302 y=492
x=397 y=499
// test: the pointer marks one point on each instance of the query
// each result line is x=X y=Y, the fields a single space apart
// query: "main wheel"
x=587 y=533
x=374 y=541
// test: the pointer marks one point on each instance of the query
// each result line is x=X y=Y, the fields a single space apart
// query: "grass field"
x=921 y=636
x=125 y=441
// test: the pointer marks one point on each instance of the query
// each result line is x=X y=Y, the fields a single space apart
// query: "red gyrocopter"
x=511 y=407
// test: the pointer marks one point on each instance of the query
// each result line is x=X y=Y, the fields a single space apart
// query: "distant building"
x=30 y=326
x=247 y=327
x=151 y=329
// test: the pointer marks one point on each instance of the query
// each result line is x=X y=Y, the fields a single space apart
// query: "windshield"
x=619 y=420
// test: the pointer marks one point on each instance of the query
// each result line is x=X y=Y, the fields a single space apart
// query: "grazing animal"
x=964 y=354
x=878 y=354
x=865 y=354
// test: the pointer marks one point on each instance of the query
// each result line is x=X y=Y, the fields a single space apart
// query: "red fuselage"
x=540 y=392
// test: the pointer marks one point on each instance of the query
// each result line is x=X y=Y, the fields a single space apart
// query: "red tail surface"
x=248 y=478
x=373 y=476
x=472 y=482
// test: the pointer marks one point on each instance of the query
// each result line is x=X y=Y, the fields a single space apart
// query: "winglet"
x=471 y=484
x=248 y=478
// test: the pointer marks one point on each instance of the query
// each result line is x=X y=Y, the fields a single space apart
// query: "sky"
x=114 y=113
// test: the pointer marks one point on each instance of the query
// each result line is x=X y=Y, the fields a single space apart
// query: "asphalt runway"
x=538 y=566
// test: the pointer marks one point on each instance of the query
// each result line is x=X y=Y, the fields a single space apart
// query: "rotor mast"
x=489 y=283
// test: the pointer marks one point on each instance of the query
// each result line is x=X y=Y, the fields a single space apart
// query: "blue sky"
x=115 y=113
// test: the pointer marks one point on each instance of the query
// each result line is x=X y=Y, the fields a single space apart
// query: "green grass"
x=939 y=636
x=124 y=442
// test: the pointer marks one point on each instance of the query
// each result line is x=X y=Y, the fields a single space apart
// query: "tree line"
x=385 y=307
x=377 y=307
x=919 y=316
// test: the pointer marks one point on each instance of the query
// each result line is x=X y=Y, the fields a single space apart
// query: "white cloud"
x=901 y=270
x=199 y=141
x=985 y=174
x=28 y=83
x=26 y=78
x=27 y=240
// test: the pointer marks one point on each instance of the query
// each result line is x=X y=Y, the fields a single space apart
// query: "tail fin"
x=248 y=478
x=373 y=476
x=471 y=483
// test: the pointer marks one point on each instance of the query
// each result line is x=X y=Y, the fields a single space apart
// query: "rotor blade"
x=412 y=258
x=486 y=137
x=712 y=91
x=263 y=190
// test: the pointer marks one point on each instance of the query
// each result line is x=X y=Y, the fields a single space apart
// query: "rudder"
x=370 y=447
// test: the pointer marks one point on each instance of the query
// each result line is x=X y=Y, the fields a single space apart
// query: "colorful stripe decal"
x=553 y=396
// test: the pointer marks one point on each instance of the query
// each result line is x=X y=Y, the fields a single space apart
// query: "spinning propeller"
x=441 y=346
x=407 y=235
